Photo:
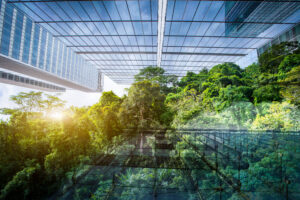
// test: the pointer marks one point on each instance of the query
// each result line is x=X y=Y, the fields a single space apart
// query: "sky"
x=72 y=97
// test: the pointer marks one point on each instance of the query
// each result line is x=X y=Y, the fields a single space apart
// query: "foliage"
x=270 y=60
x=291 y=91
x=280 y=117
x=144 y=105
x=157 y=75
x=40 y=154
x=267 y=93
x=105 y=115
x=288 y=63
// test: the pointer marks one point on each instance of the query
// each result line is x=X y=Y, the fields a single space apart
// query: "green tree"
x=270 y=60
x=144 y=107
x=157 y=75
x=105 y=115
x=288 y=63
x=267 y=93
x=291 y=86
x=280 y=117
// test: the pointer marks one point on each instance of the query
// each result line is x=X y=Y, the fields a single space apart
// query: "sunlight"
x=56 y=115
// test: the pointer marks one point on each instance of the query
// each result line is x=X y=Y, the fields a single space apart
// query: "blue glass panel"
x=42 y=49
x=35 y=45
x=6 y=29
x=68 y=10
x=202 y=10
x=40 y=10
x=101 y=9
x=78 y=9
x=90 y=10
x=17 y=36
x=129 y=28
x=170 y=7
x=68 y=63
x=138 y=28
x=54 y=56
x=120 y=28
x=154 y=5
x=49 y=52
x=59 y=62
x=145 y=9
x=123 y=10
x=179 y=10
x=112 y=10
x=190 y=10
x=28 y=11
x=213 y=11
x=110 y=27
x=64 y=62
x=27 y=39
x=134 y=10
x=58 y=10
x=147 y=28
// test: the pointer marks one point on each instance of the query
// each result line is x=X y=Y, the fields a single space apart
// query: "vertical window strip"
x=12 y=32
x=22 y=38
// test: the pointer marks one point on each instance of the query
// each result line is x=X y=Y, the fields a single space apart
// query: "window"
x=7 y=23
x=27 y=40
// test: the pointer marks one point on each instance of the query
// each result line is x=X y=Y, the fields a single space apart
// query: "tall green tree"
x=104 y=115
x=270 y=60
x=157 y=75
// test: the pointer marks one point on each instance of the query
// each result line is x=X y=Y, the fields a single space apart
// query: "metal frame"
x=105 y=33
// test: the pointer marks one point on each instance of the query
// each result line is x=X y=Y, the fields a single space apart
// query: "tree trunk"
x=141 y=130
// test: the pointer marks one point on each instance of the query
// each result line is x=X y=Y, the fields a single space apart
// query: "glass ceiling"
x=123 y=36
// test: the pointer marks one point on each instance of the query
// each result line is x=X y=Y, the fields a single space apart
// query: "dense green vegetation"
x=40 y=153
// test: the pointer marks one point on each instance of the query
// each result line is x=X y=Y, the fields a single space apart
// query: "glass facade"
x=122 y=37
x=6 y=29
x=27 y=38
x=20 y=80
x=26 y=41
x=17 y=36
x=290 y=35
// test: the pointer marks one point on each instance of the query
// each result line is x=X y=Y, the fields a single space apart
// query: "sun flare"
x=56 y=115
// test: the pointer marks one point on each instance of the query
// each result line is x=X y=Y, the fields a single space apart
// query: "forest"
x=42 y=152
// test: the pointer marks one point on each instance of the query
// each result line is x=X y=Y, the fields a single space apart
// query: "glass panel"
x=36 y=40
x=7 y=23
x=42 y=49
x=27 y=40
x=17 y=35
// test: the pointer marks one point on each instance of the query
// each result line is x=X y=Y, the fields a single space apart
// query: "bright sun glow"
x=56 y=115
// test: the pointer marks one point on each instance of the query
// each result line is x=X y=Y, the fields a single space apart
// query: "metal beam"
x=155 y=60
x=232 y=22
x=186 y=21
x=163 y=46
x=91 y=21
x=207 y=36
x=137 y=69
x=42 y=1
x=151 y=52
x=162 y=10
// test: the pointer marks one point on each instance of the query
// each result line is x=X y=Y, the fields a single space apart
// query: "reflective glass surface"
x=123 y=35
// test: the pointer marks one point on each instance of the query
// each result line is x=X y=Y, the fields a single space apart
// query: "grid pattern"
x=192 y=164
x=122 y=36
x=31 y=44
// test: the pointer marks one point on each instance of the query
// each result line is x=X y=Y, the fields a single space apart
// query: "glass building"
x=74 y=39
x=15 y=79
x=29 y=48
x=291 y=35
